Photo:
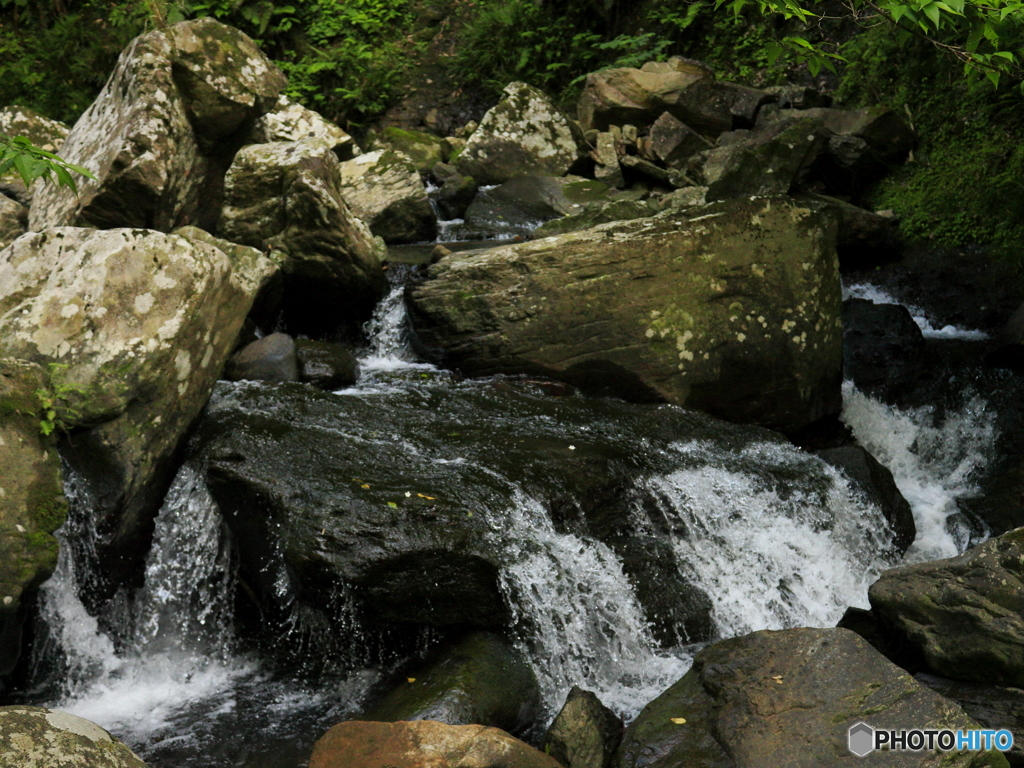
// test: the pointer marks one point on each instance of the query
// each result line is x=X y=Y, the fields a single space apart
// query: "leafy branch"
x=33 y=163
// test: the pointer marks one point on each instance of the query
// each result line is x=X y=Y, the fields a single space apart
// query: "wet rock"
x=865 y=239
x=423 y=744
x=424 y=149
x=965 y=614
x=163 y=130
x=456 y=191
x=883 y=349
x=992 y=706
x=772 y=358
x=524 y=135
x=584 y=734
x=744 y=701
x=285 y=197
x=879 y=488
x=32 y=504
x=480 y=680
x=519 y=205
x=384 y=189
x=622 y=210
x=325 y=365
x=1008 y=349
x=288 y=121
x=772 y=162
x=271 y=358
x=13 y=218
x=34 y=737
x=135 y=373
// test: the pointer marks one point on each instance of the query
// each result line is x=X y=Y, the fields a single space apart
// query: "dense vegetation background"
x=353 y=59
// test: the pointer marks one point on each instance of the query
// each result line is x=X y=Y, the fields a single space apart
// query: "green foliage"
x=55 y=401
x=985 y=36
x=965 y=184
x=33 y=163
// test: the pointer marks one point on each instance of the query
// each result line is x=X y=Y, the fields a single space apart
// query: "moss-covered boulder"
x=34 y=737
x=163 y=130
x=584 y=734
x=424 y=149
x=480 y=679
x=423 y=744
x=135 y=327
x=964 y=614
x=789 y=698
x=289 y=121
x=732 y=308
x=286 y=197
x=384 y=190
x=524 y=135
x=32 y=504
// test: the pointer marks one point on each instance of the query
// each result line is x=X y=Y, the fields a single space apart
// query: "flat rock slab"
x=423 y=744
x=33 y=737
x=732 y=309
x=788 y=698
x=965 y=613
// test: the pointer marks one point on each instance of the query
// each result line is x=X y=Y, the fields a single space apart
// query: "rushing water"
x=176 y=685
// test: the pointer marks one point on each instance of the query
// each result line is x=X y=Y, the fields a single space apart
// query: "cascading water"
x=178 y=688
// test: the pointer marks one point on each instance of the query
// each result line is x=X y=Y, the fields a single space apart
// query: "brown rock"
x=423 y=744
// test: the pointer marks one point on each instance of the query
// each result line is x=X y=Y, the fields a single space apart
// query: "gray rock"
x=865 y=239
x=325 y=365
x=480 y=679
x=584 y=734
x=33 y=737
x=271 y=358
x=606 y=157
x=520 y=205
x=673 y=142
x=877 y=484
x=771 y=357
x=13 y=218
x=789 y=698
x=162 y=131
x=882 y=129
x=286 y=197
x=965 y=614
x=884 y=351
x=622 y=210
x=136 y=372
x=384 y=190
x=524 y=135
x=289 y=121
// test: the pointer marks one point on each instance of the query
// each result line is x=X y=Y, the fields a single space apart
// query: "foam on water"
x=390 y=350
x=934 y=461
x=880 y=296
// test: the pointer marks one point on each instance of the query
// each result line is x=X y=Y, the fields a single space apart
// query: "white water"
x=879 y=296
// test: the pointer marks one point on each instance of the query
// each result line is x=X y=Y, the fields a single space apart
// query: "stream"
x=181 y=688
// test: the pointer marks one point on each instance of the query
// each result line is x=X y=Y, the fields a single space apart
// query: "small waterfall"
x=388 y=330
x=447 y=229
x=880 y=296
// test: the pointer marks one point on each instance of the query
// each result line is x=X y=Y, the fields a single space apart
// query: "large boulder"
x=423 y=744
x=32 y=504
x=731 y=308
x=135 y=371
x=163 y=130
x=524 y=135
x=685 y=89
x=965 y=614
x=289 y=121
x=424 y=149
x=33 y=737
x=384 y=189
x=770 y=162
x=286 y=197
x=479 y=680
x=789 y=698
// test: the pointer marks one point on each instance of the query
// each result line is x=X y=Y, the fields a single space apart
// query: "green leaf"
x=932 y=12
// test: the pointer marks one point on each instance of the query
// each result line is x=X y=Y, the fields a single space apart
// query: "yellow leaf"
x=365 y=485
x=411 y=679
x=424 y=496
x=678 y=720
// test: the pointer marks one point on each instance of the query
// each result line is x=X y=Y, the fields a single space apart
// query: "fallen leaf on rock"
x=678 y=720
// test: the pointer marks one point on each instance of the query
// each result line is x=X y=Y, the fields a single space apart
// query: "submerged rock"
x=732 y=308
x=480 y=680
x=789 y=698
x=163 y=130
x=423 y=744
x=134 y=373
x=32 y=504
x=524 y=135
x=965 y=614
x=33 y=737
x=325 y=365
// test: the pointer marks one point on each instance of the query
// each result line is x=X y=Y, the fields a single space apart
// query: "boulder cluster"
x=693 y=234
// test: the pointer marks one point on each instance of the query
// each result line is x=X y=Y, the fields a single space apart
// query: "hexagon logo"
x=861 y=739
